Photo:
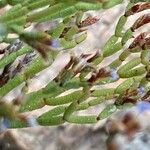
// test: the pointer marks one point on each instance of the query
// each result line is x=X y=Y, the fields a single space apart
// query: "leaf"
x=3 y=30
x=107 y=111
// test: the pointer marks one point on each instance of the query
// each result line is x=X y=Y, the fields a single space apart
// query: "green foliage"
x=69 y=31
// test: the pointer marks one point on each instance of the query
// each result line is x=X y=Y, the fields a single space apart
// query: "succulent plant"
x=80 y=73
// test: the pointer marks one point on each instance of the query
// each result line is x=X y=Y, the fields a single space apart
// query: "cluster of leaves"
x=81 y=73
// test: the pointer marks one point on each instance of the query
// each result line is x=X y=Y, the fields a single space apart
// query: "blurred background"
x=82 y=137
